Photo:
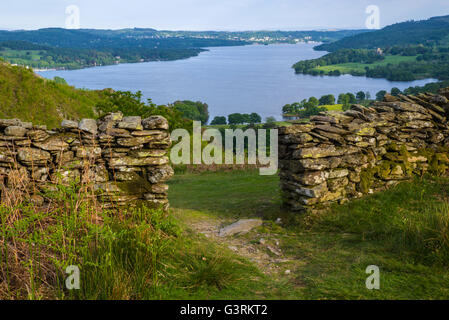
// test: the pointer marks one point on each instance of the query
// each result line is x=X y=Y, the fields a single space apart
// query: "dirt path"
x=261 y=249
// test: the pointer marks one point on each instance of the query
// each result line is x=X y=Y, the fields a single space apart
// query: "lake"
x=244 y=79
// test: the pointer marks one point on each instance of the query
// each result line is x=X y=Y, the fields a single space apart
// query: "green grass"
x=230 y=194
x=333 y=107
x=21 y=57
x=121 y=254
x=404 y=231
x=148 y=254
x=149 y=257
x=26 y=96
x=360 y=67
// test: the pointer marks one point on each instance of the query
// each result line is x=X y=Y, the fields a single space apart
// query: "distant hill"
x=154 y=39
x=29 y=97
x=73 y=49
x=434 y=31
x=116 y=39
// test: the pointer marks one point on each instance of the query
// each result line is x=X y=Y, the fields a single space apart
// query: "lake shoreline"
x=119 y=63
x=237 y=79
x=205 y=49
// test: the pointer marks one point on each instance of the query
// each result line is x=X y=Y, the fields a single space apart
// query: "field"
x=360 y=67
x=333 y=107
x=329 y=107
x=21 y=57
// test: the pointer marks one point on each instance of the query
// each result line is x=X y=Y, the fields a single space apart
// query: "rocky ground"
x=246 y=238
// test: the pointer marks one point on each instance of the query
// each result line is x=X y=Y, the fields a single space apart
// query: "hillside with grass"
x=148 y=254
x=26 y=96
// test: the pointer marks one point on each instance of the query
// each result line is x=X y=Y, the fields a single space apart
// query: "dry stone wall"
x=123 y=158
x=340 y=156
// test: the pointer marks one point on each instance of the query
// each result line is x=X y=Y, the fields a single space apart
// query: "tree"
x=255 y=118
x=188 y=111
x=270 y=123
x=131 y=104
x=193 y=110
x=59 y=80
x=395 y=91
x=336 y=73
x=270 y=120
x=314 y=101
x=352 y=98
x=380 y=95
x=297 y=106
x=246 y=118
x=328 y=99
x=288 y=108
x=310 y=110
x=236 y=118
x=343 y=99
x=361 y=96
x=218 y=120
x=368 y=95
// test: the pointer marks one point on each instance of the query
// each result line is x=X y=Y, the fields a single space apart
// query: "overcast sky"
x=215 y=14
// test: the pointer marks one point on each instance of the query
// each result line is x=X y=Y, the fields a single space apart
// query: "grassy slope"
x=360 y=67
x=26 y=96
x=328 y=253
x=149 y=255
x=21 y=57
x=121 y=254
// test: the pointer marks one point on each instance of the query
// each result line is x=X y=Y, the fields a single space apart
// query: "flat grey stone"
x=69 y=124
x=16 y=131
x=131 y=123
x=9 y=122
x=88 y=125
x=155 y=122
x=32 y=154
x=241 y=226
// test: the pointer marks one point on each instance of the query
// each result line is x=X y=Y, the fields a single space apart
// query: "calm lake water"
x=243 y=79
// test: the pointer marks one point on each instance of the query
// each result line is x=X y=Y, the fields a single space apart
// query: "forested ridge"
x=404 y=51
x=72 y=49
x=430 y=32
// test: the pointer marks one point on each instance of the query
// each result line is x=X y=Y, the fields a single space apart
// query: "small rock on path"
x=241 y=226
